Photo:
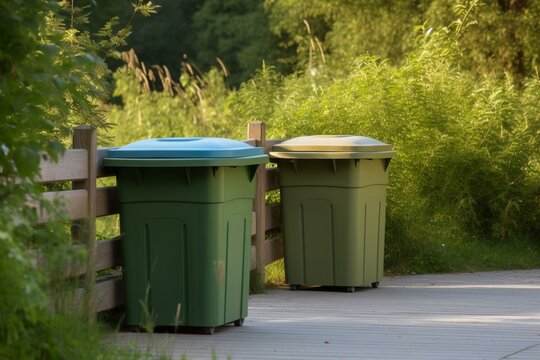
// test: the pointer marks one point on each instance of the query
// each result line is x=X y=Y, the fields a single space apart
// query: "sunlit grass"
x=275 y=274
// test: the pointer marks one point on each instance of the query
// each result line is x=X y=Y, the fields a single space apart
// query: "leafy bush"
x=467 y=169
x=42 y=92
x=467 y=149
x=502 y=38
x=50 y=80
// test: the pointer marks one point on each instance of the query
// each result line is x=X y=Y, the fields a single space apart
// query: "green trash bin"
x=185 y=219
x=333 y=197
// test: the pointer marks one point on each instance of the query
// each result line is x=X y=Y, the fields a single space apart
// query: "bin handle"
x=294 y=164
x=386 y=163
x=252 y=170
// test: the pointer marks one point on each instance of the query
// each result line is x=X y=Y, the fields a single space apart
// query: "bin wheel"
x=350 y=289
x=295 y=287
x=239 y=322
x=209 y=330
x=375 y=284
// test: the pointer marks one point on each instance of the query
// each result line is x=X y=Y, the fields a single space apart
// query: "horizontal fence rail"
x=84 y=202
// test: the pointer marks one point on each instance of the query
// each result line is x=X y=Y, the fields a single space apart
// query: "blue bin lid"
x=195 y=147
x=185 y=152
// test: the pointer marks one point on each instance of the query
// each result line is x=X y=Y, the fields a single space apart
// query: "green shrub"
x=43 y=91
x=466 y=168
x=50 y=81
x=501 y=36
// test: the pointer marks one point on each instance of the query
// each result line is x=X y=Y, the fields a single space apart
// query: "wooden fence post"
x=85 y=137
x=257 y=131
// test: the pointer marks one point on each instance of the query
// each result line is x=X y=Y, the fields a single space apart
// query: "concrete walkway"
x=490 y=315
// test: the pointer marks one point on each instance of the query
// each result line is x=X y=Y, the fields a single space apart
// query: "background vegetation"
x=433 y=78
x=452 y=85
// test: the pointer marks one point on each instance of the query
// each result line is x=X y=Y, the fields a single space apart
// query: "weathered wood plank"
x=109 y=294
x=71 y=166
x=106 y=294
x=253 y=257
x=253 y=223
x=74 y=203
x=108 y=254
x=107 y=201
x=102 y=171
x=85 y=137
x=273 y=216
x=257 y=130
x=272 y=179
x=273 y=249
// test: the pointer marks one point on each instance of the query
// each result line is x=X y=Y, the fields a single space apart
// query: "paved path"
x=490 y=315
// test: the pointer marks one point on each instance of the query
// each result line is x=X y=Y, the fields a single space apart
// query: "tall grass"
x=465 y=177
x=156 y=105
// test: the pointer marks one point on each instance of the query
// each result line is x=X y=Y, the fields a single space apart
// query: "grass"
x=433 y=256
x=275 y=274
x=466 y=255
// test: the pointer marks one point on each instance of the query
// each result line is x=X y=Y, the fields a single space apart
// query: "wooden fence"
x=85 y=202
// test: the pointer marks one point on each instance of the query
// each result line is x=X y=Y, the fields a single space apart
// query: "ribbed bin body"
x=186 y=244
x=333 y=206
x=186 y=231
x=333 y=230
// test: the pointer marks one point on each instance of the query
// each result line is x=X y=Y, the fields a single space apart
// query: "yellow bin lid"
x=332 y=147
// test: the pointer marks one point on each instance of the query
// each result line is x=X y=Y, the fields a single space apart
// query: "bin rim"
x=332 y=147
x=185 y=162
x=185 y=148
x=315 y=155
x=339 y=145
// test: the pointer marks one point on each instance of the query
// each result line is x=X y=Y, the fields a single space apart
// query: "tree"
x=163 y=38
x=51 y=79
x=504 y=38
x=501 y=36
x=43 y=92
x=197 y=32
x=347 y=29
x=236 y=32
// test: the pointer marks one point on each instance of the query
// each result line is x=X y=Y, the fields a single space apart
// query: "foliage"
x=503 y=37
x=50 y=80
x=40 y=83
x=466 y=174
x=163 y=38
x=347 y=28
x=236 y=32
x=199 y=32
x=467 y=168
x=155 y=105
x=468 y=158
